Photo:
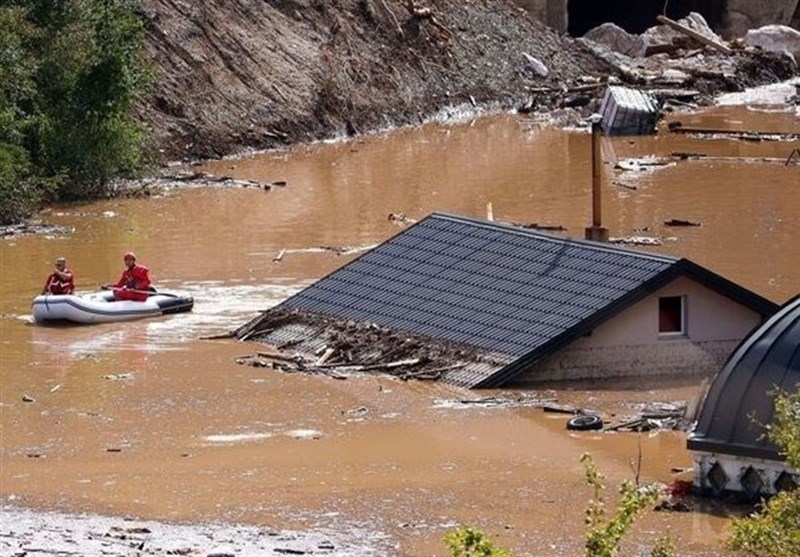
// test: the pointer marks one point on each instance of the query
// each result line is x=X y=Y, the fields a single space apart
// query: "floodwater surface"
x=146 y=419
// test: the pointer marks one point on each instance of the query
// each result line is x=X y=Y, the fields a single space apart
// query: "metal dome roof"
x=740 y=399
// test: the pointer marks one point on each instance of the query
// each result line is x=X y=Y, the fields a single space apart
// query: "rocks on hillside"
x=686 y=59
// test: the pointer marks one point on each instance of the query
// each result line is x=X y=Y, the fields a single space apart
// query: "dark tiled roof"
x=509 y=291
x=739 y=400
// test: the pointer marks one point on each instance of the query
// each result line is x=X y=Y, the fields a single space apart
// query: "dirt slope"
x=238 y=74
x=234 y=74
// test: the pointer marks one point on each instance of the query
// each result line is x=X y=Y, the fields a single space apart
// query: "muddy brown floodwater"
x=146 y=420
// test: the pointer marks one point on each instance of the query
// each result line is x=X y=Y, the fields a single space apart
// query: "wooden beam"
x=699 y=37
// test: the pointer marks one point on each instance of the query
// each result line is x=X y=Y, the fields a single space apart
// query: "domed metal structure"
x=728 y=445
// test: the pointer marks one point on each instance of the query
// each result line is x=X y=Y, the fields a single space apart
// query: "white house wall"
x=629 y=345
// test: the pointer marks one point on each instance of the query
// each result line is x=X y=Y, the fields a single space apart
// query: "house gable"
x=629 y=343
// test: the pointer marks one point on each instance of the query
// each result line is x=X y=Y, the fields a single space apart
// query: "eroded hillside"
x=235 y=74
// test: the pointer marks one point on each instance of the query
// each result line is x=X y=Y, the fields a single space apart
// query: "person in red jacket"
x=134 y=282
x=60 y=281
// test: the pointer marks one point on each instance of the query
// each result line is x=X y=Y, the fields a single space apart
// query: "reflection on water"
x=230 y=442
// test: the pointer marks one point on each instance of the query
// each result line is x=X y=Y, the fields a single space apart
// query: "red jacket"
x=60 y=283
x=134 y=278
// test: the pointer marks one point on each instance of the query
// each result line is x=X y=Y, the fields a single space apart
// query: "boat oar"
x=148 y=292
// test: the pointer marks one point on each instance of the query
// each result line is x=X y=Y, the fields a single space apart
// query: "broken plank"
x=699 y=37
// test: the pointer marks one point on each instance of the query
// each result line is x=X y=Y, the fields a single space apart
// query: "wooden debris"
x=400 y=218
x=641 y=163
x=684 y=155
x=748 y=160
x=753 y=135
x=229 y=334
x=637 y=241
x=340 y=370
x=699 y=37
x=325 y=356
x=537 y=226
x=560 y=408
x=679 y=222
x=359 y=347
x=372 y=367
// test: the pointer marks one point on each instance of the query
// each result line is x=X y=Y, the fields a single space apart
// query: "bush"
x=604 y=534
x=774 y=529
x=469 y=542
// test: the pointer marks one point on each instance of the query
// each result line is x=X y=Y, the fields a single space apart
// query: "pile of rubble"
x=306 y=342
x=686 y=61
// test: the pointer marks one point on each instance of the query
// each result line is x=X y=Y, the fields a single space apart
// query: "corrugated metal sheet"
x=628 y=111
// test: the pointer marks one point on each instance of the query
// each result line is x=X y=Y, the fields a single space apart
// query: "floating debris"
x=655 y=416
x=680 y=222
x=119 y=376
x=628 y=112
x=400 y=218
x=637 y=241
x=641 y=164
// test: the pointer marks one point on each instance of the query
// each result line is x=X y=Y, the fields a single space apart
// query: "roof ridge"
x=613 y=248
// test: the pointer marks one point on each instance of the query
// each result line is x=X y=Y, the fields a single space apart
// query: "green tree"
x=18 y=190
x=70 y=74
x=88 y=80
x=774 y=529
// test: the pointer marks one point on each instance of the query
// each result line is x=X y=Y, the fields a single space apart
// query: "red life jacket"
x=57 y=285
x=134 y=278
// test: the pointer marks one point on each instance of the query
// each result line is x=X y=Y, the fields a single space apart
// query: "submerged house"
x=728 y=447
x=515 y=305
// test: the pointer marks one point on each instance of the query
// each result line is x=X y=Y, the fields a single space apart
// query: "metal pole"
x=597 y=217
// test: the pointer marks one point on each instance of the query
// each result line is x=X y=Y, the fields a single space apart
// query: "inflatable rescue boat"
x=102 y=308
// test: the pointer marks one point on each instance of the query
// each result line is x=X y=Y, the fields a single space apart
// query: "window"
x=671 y=320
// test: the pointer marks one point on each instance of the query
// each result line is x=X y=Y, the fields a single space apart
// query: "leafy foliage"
x=469 y=542
x=70 y=73
x=785 y=432
x=774 y=530
x=16 y=191
x=604 y=535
